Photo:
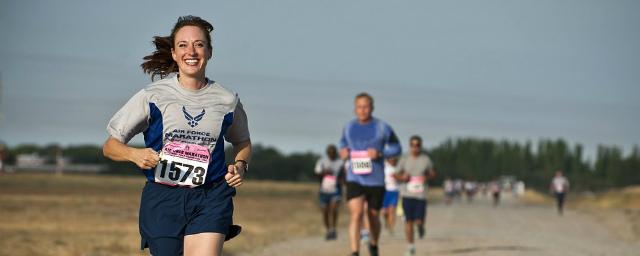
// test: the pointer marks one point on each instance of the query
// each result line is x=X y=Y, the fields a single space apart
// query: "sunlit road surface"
x=477 y=228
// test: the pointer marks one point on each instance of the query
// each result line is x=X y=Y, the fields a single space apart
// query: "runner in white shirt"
x=449 y=191
x=470 y=190
x=391 y=194
x=330 y=171
x=458 y=188
x=559 y=187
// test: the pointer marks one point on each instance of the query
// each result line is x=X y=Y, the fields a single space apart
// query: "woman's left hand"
x=235 y=175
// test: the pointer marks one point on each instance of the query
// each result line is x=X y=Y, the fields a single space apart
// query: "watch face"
x=244 y=164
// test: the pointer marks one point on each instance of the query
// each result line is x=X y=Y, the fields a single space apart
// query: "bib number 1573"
x=182 y=164
x=180 y=172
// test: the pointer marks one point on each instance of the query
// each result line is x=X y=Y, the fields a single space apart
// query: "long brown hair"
x=160 y=62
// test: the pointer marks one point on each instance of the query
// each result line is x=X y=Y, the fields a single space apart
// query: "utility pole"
x=3 y=149
x=1 y=96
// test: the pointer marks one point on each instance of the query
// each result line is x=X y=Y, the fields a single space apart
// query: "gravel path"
x=477 y=228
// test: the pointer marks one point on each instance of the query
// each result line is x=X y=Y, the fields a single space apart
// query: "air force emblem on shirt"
x=191 y=120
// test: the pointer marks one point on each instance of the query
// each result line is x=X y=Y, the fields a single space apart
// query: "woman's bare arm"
x=144 y=158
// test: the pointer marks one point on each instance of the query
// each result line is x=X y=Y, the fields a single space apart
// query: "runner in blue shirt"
x=366 y=142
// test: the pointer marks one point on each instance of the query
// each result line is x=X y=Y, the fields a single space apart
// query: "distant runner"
x=390 y=201
x=559 y=187
x=366 y=142
x=470 y=189
x=495 y=189
x=414 y=169
x=2 y=157
x=329 y=170
x=449 y=191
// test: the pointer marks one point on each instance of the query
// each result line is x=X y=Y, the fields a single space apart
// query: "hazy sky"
x=517 y=70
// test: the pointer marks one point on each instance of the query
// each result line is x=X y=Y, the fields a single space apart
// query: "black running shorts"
x=372 y=194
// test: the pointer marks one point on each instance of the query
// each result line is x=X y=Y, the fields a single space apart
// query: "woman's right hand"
x=145 y=158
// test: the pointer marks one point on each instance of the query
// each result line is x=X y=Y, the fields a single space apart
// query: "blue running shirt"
x=374 y=134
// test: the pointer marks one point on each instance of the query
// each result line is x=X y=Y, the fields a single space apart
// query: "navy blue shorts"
x=390 y=199
x=414 y=209
x=168 y=213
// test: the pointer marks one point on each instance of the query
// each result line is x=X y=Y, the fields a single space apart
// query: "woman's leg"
x=203 y=244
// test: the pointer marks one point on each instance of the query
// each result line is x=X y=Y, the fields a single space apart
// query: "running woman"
x=414 y=170
x=391 y=194
x=366 y=142
x=329 y=170
x=186 y=205
x=559 y=187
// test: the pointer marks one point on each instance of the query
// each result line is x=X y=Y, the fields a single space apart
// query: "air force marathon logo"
x=192 y=121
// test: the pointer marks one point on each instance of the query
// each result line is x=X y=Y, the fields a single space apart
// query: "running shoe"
x=373 y=250
x=331 y=235
x=364 y=236
x=410 y=251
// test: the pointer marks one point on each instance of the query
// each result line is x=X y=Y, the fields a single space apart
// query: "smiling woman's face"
x=190 y=51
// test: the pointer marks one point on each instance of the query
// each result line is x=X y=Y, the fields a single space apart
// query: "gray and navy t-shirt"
x=166 y=112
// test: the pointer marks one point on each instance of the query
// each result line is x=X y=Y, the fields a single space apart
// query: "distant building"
x=35 y=162
x=29 y=160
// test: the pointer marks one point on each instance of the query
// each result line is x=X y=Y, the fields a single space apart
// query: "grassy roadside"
x=625 y=198
x=74 y=214
x=45 y=214
x=617 y=209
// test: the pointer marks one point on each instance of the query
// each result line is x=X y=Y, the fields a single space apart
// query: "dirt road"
x=476 y=228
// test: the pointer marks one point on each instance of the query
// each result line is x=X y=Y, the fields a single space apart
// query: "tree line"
x=485 y=159
x=464 y=158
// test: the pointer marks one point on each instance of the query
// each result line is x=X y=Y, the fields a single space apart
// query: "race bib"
x=558 y=185
x=559 y=188
x=329 y=184
x=416 y=184
x=182 y=164
x=361 y=162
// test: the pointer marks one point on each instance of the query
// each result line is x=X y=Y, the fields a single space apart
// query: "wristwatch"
x=246 y=165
